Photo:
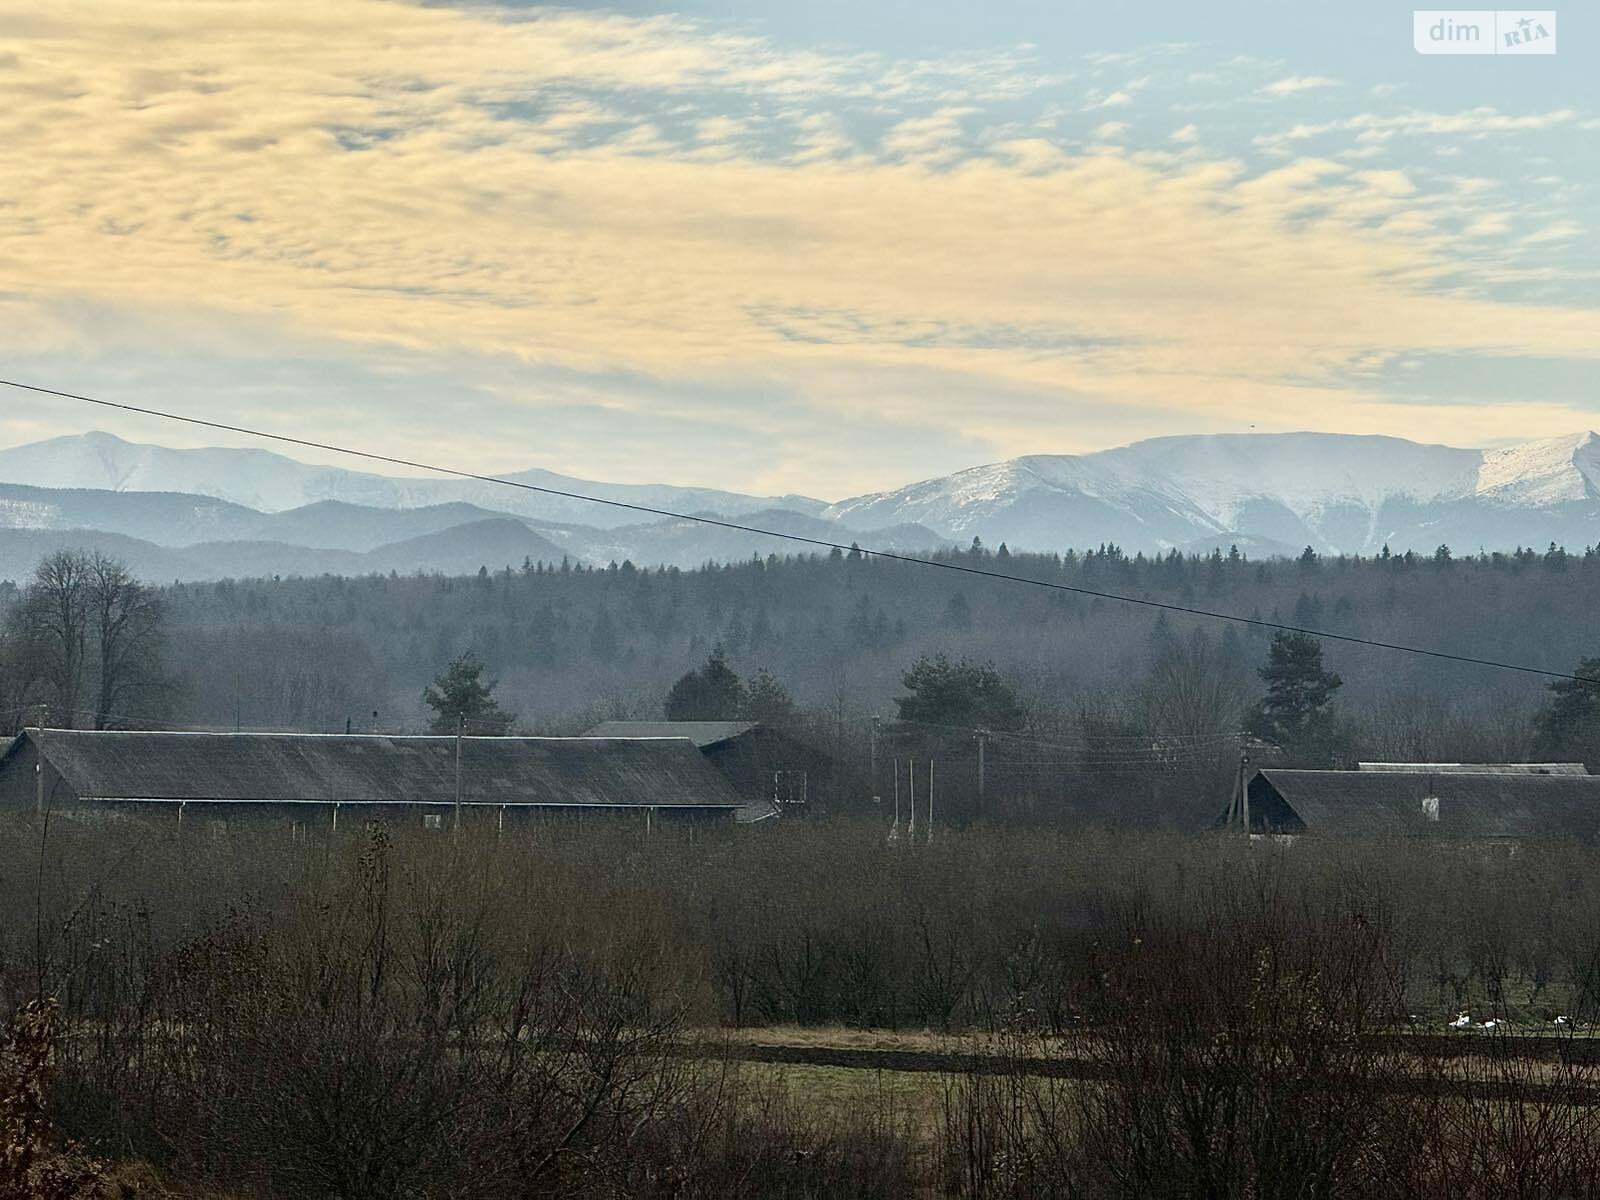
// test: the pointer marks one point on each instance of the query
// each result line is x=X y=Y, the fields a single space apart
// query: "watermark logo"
x=1483 y=31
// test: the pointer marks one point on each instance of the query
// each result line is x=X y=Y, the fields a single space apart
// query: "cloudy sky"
x=823 y=247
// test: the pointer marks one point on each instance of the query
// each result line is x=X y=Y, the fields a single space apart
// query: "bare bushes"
x=406 y=1016
x=396 y=1029
x=394 y=1017
x=1220 y=1051
x=35 y=1162
x=1251 y=1042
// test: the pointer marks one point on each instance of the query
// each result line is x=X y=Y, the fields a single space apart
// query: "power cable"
x=886 y=555
x=1108 y=744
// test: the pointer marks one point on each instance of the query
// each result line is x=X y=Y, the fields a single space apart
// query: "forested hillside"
x=571 y=645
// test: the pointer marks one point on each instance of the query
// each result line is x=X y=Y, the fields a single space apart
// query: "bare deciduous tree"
x=126 y=622
x=84 y=622
x=54 y=616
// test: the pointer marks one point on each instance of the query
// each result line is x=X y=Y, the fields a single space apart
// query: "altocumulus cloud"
x=624 y=198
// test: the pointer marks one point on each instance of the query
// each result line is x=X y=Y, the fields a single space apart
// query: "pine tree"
x=713 y=693
x=460 y=693
x=1300 y=692
x=768 y=701
x=962 y=695
x=1570 y=723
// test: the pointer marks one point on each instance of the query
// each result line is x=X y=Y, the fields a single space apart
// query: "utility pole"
x=983 y=742
x=38 y=763
x=930 y=800
x=461 y=730
x=1244 y=790
x=872 y=768
x=894 y=832
x=911 y=788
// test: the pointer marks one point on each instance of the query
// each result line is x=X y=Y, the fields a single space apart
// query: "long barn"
x=327 y=779
x=1454 y=805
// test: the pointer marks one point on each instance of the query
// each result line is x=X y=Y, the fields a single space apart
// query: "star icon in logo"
x=1524 y=23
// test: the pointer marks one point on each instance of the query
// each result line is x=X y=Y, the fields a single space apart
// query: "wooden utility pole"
x=930 y=800
x=983 y=741
x=872 y=767
x=894 y=833
x=461 y=731
x=911 y=788
x=38 y=764
x=1244 y=790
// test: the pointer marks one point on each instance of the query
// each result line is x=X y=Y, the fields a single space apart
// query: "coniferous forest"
x=1116 y=705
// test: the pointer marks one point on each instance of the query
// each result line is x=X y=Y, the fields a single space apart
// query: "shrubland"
x=394 y=1013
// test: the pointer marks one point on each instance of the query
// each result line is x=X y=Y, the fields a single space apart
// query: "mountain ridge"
x=1337 y=492
x=271 y=482
x=1340 y=493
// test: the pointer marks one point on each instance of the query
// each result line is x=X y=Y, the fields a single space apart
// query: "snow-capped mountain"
x=1543 y=474
x=1331 y=491
x=1267 y=492
x=272 y=483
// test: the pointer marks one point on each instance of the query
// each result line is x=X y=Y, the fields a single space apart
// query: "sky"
x=821 y=248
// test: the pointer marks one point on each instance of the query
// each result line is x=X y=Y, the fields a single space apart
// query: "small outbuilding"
x=327 y=779
x=773 y=771
x=1454 y=805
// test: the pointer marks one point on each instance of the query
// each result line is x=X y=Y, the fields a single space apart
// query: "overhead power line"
x=1098 y=741
x=821 y=543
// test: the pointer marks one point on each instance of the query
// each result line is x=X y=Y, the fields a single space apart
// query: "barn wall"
x=748 y=762
x=16 y=780
x=1268 y=811
x=19 y=789
x=223 y=817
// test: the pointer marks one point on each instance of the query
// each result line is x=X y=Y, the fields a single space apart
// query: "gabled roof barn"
x=286 y=768
x=1383 y=804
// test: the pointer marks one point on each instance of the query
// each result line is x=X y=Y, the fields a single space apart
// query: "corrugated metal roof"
x=1373 y=803
x=404 y=770
x=701 y=733
x=1419 y=768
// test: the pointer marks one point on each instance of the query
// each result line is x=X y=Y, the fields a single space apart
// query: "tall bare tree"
x=126 y=625
x=1197 y=689
x=84 y=623
x=54 y=629
x=17 y=674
